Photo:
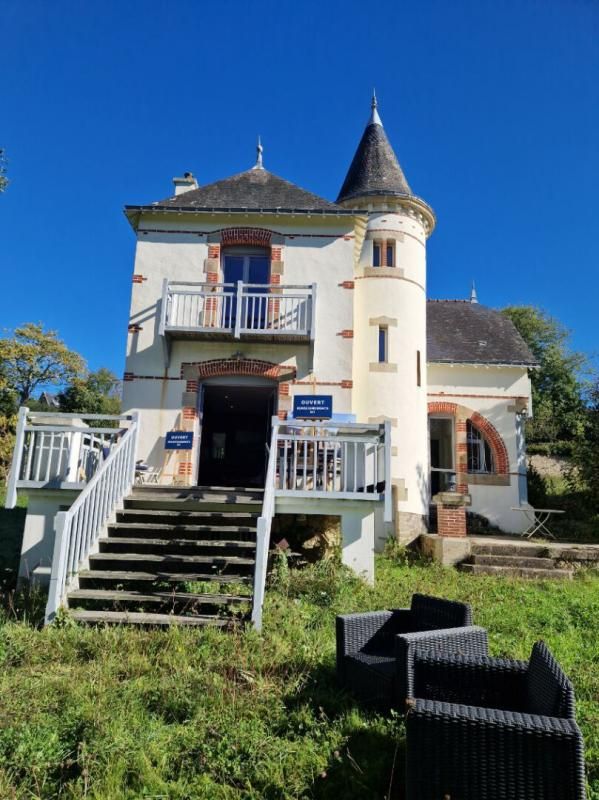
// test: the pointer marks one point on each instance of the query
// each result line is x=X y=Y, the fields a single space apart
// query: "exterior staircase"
x=174 y=555
x=519 y=560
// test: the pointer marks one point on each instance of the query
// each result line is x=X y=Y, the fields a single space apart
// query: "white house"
x=280 y=347
x=250 y=291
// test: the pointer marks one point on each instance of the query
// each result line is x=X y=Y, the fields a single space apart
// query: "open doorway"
x=443 y=476
x=236 y=426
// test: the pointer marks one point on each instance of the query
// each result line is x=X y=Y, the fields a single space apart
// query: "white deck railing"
x=263 y=532
x=344 y=460
x=338 y=461
x=238 y=309
x=77 y=530
x=56 y=450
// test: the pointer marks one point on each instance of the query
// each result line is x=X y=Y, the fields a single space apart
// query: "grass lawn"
x=118 y=713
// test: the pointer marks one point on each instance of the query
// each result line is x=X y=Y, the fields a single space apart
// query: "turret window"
x=390 y=254
x=383 y=344
x=376 y=254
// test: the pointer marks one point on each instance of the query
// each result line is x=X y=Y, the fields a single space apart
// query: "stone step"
x=169 y=602
x=148 y=619
x=145 y=544
x=168 y=517
x=590 y=555
x=523 y=549
x=514 y=561
x=145 y=580
x=203 y=532
x=517 y=572
x=170 y=563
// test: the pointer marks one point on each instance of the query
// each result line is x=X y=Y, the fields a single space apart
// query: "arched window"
x=480 y=455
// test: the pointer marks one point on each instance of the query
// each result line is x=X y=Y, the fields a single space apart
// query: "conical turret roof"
x=375 y=169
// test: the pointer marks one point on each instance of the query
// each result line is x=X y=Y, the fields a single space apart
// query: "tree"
x=585 y=454
x=557 y=385
x=33 y=358
x=3 y=178
x=97 y=393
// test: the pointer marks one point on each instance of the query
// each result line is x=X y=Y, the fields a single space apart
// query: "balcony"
x=246 y=311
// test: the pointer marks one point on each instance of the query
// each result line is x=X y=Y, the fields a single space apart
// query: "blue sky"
x=492 y=108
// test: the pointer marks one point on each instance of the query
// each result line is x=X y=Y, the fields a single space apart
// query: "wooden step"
x=172 y=503
x=167 y=531
x=167 y=517
x=147 y=619
x=517 y=572
x=173 y=602
x=145 y=544
x=514 y=561
x=146 y=579
x=169 y=562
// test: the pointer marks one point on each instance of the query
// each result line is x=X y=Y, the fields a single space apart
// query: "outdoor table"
x=537 y=519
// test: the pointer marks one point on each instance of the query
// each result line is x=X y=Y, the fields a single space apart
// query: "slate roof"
x=461 y=332
x=252 y=190
x=375 y=169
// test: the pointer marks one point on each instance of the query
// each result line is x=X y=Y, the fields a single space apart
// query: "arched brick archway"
x=218 y=367
x=461 y=415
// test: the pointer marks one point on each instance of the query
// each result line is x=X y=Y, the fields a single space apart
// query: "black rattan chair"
x=375 y=650
x=493 y=728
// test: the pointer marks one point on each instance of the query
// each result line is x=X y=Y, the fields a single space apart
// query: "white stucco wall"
x=395 y=297
x=496 y=393
x=317 y=250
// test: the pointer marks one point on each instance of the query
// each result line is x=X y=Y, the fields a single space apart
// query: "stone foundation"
x=409 y=526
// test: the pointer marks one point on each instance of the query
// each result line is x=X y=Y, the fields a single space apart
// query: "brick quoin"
x=282 y=415
x=189 y=412
x=346 y=285
x=346 y=334
x=284 y=389
x=240 y=366
x=185 y=468
x=252 y=236
x=191 y=386
x=139 y=279
x=213 y=251
x=276 y=253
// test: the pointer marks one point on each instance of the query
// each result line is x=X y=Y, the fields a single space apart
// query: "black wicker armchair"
x=375 y=650
x=493 y=728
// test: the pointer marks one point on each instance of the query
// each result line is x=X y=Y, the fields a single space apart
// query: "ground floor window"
x=480 y=455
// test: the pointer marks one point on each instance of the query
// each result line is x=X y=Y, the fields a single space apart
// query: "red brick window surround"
x=487 y=457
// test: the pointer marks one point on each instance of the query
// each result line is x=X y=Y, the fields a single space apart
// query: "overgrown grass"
x=118 y=713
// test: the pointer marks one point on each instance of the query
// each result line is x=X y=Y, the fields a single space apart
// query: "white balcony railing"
x=238 y=309
x=57 y=450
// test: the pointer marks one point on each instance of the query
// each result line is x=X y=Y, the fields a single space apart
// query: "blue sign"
x=178 y=440
x=313 y=406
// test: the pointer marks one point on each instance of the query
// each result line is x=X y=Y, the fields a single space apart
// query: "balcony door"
x=253 y=269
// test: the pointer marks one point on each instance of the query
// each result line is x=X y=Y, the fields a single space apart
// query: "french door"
x=255 y=271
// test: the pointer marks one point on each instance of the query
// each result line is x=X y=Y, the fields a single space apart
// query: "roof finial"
x=473 y=295
x=374 y=116
x=259 y=150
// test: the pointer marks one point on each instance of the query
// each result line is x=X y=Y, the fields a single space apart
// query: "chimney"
x=185 y=184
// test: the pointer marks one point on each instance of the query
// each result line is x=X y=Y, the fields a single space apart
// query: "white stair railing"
x=263 y=531
x=77 y=530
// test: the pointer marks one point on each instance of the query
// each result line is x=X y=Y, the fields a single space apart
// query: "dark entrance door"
x=236 y=422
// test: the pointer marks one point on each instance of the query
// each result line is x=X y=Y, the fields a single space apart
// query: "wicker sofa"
x=376 y=650
x=493 y=728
